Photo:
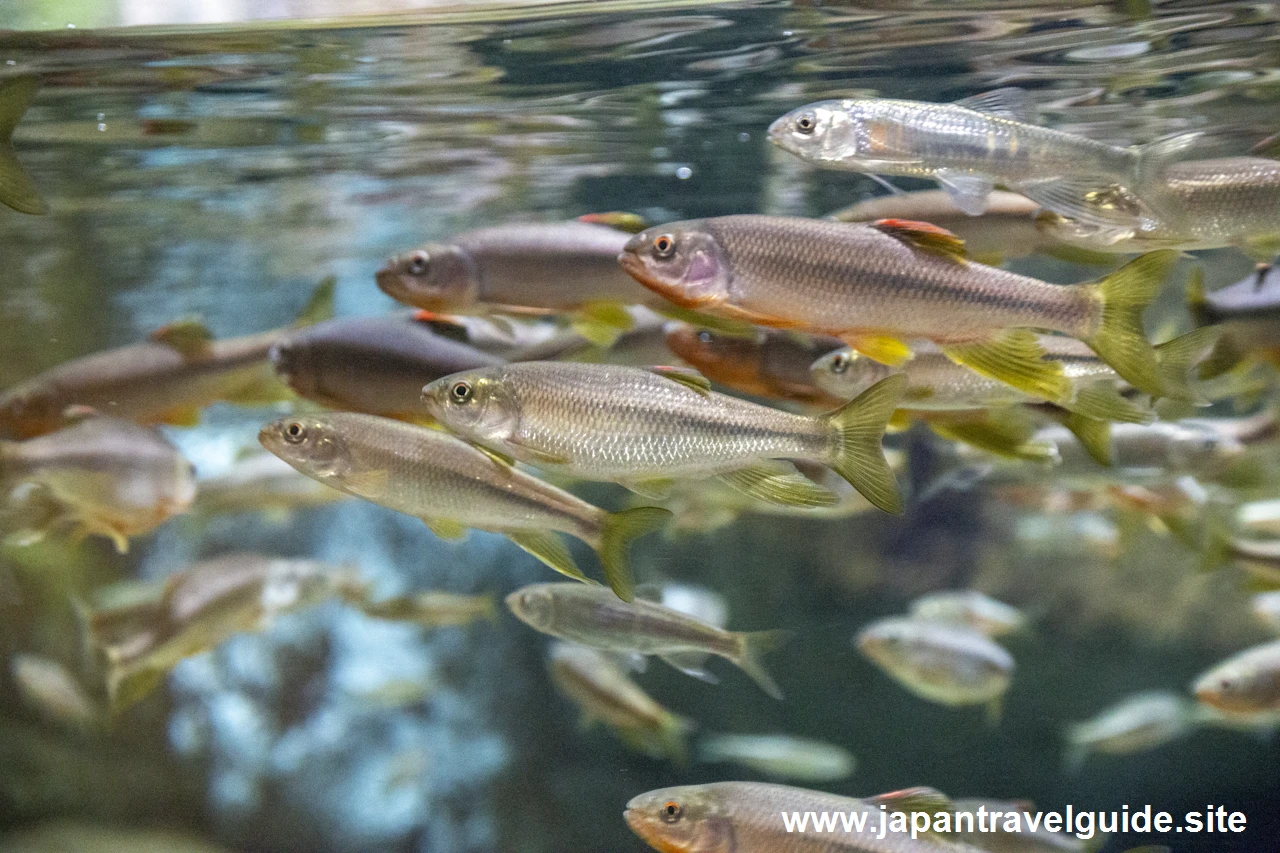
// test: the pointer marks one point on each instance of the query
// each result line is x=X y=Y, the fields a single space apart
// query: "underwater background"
x=222 y=171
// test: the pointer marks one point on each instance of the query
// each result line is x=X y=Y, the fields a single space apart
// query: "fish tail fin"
x=1120 y=339
x=858 y=456
x=17 y=190
x=1179 y=357
x=619 y=529
x=751 y=648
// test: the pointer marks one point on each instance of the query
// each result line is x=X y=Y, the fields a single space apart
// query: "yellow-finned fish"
x=972 y=145
x=780 y=757
x=758 y=817
x=591 y=616
x=167 y=379
x=595 y=683
x=645 y=427
x=1210 y=204
x=1246 y=683
x=452 y=485
x=947 y=664
x=102 y=476
x=549 y=268
x=17 y=190
x=878 y=285
x=767 y=363
x=1137 y=723
x=971 y=609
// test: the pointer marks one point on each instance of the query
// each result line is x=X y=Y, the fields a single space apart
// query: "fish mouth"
x=634 y=267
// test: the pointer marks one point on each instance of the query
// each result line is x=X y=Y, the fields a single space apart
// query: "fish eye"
x=418 y=262
x=840 y=364
x=706 y=337
x=460 y=392
x=664 y=245
x=671 y=811
x=295 y=432
x=806 y=123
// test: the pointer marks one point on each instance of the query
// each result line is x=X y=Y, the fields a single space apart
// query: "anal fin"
x=550 y=549
x=779 y=484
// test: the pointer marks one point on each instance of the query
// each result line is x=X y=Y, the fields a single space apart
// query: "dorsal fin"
x=619 y=220
x=189 y=336
x=923 y=236
x=687 y=377
x=320 y=306
x=1009 y=102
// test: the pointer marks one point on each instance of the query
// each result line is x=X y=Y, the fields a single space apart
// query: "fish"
x=452 y=485
x=551 y=268
x=101 y=476
x=947 y=664
x=769 y=363
x=1210 y=204
x=589 y=615
x=54 y=693
x=1246 y=683
x=780 y=757
x=259 y=482
x=1266 y=606
x=605 y=693
x=877 y=286
x=1247 y=314
x=1006 y=230
x=970 y=609
x=17 y=190
x=1024 y=840
x=429 y=609
x=167 y=379
x=140 y=631
x=748 y=817
x=1139 y=722
x=374 y=365
x=970 y=146
x=646 y=427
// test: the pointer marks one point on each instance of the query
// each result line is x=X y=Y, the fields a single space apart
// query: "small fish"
x=1024 y=840
x=260 y=482
x=428 y=609
x=1211 y=204
x=942 y=663
x=552 y=268
x=167 y=379
x=143 y=630
x=877 y=285
x=972 y=145
x=605 y=693
x=1137 y=723
x=1246 y=683
x=780 y=757
x=17 y=190
x=590 y=616
x=375 y=365
x=452 y=485
x=102 y=476
x=1007 y=229
x=646 y=427
x=770 y=364
x=54 y=692
x=970 y=609
x=1266 y=606
x=748 y=817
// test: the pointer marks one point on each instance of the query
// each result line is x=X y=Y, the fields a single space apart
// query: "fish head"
x=846 y=373
x=310 y=443
x=475 y=403
x=682 y=262
x=437 y=277
x=687 y=819
x=31 y=410
x=822 y=131
x=715 y=354
x=1234 y=687
x=292 y=359
x=533 y=605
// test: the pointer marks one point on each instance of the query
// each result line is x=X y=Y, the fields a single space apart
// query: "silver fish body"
x=947 y=664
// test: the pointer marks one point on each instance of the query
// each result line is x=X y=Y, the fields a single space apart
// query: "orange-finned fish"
x=878 y=284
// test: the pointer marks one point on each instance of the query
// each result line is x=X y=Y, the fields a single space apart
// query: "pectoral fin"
x=601 y=322
x=969 y=192
x=1015 y=358
x=539 y=456
x=446 y=528
x=779 y=484
x=550 y=549
x=691 y=663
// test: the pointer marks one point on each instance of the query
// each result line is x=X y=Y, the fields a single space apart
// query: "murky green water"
x=223 y=172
